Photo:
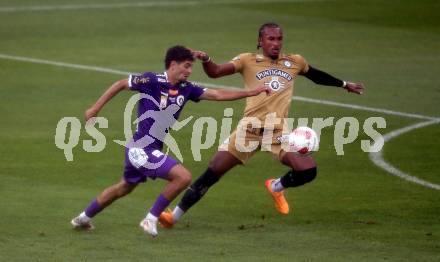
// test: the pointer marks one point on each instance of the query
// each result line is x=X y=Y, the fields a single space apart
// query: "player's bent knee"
x=222 y=162
x=185 y=179
x=185 y=174
x=179 y=173
x=215 y=166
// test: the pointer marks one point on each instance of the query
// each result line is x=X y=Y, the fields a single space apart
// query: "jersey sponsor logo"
x=137 y=157
x=274 y=83
x=273 y=72
x=180 y=99
x=140 y=80
x=287 y=64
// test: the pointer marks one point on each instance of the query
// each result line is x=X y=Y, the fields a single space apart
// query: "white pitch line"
x=299 y=98
x=377 y=157
x=72 y=7
x=338 y=104
x=10 y=9
x=62 y=64
x=364 y=108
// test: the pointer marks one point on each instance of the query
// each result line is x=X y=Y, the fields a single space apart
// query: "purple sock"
x=159 y=206
x=93 y=209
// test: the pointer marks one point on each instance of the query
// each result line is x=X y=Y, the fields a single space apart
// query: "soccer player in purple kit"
x=163 y=97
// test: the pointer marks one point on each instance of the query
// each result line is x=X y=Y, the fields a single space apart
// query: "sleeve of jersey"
x=196 y=92
x=238 y=62
x=303 y=64
x=141 y=83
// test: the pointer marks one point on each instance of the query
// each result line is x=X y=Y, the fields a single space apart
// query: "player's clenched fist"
x=204 y=57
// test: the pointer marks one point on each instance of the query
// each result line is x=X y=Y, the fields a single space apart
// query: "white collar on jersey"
x=166 y=75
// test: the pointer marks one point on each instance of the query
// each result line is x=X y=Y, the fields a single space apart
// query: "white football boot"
x=81 y=223
x=149 y=225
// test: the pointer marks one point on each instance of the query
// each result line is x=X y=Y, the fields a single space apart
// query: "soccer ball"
x=303 y=141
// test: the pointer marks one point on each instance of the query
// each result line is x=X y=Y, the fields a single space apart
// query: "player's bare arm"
x=108 y=94
x=228 y=95
x=322 y=78
x=212 y=69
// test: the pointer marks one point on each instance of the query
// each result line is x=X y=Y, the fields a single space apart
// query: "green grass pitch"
x=353 y=211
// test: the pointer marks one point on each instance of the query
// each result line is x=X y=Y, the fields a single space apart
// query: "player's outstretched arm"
x=212 y=69
x=108 y=94
x=228 y=95
x=322 y=78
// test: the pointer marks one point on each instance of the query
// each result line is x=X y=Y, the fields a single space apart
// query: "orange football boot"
x=166 y=219
x=278 y=197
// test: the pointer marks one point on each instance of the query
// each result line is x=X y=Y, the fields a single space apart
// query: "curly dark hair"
x=179 y=54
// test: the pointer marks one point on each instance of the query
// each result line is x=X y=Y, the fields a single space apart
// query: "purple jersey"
x=160 y=105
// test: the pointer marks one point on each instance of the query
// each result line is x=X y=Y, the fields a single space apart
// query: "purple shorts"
x=141 y=163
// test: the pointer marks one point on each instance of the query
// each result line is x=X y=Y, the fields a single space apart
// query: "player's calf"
x=295 y=178
x=198 y=189
x=192 y=195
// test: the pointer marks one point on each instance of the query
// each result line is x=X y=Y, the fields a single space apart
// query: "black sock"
x=196 y=191
x=298 y=178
